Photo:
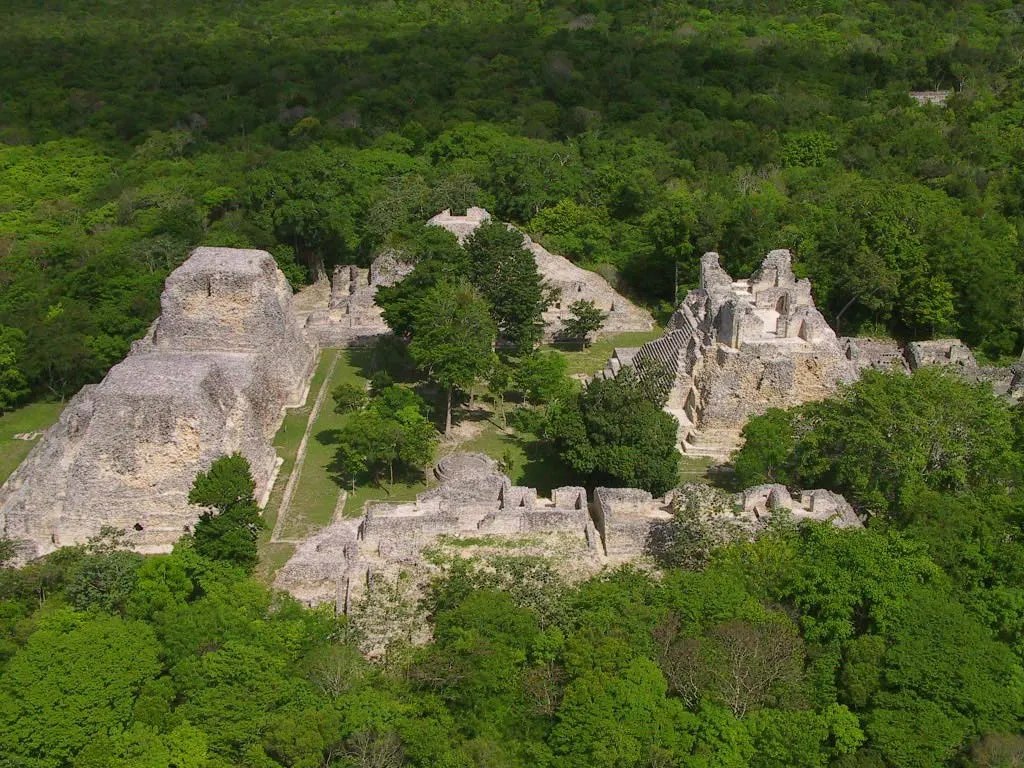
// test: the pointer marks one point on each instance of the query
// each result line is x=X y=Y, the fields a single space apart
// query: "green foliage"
x=617 y=436
x=768 y=443
x=228 y=527
x=348 y=397
x=105 y=576
x=584 y=319
x=13 y=384
x=453 y=336
x=75 y=680
x=541 y=376
x=506 y=276
x=381 y=437
x=888 y=438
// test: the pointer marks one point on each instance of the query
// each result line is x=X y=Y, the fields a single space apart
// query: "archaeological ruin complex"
x=571 y=282
x=211 y=377
x=735 y=348
x=351 y=318
x=231 y=350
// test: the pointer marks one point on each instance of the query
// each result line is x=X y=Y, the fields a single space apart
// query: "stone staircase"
x=716 y=444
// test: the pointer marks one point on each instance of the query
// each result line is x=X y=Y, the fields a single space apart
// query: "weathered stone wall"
x=476 y=503
x=351 y=317
x=211 y=378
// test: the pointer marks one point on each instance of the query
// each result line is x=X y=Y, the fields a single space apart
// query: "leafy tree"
x=887 y=438
x=348 y=397
x=75 y=679
x=453 y=336
x=228 y=527
x=13 y=384
x=584 y=320
x=506 y=275
x=541 y=377
x=768 y=444
x=106 y=575
x=374 y=439
x=614 y=435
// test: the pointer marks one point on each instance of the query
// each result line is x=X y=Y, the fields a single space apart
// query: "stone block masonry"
x=735 y=348
x=475 y=501
x=211 y=377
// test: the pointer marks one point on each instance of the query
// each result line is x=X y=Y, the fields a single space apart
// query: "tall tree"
x=452 y=338
x=506 y=275
x=228 y=527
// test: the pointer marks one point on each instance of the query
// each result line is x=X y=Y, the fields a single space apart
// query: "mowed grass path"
x=29 y=418
x=289 y=435
x=593 y=358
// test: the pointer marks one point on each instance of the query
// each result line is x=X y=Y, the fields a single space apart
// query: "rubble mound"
x=572 y=282
x=210 y=378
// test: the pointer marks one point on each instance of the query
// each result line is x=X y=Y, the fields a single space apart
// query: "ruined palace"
x=211 y=377
x=351 y=318
x=735 y=348
x=475 y=500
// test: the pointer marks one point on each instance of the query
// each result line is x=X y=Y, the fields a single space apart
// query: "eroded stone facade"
x=211 y=377
x=475 y=501
x=735 y=348
x=351 y=318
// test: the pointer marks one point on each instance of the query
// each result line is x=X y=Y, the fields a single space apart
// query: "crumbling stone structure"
x=735 y=348
x=211 y=377
x=474 y=500
x=950 y=354
x=351 y=318
x=572 y=283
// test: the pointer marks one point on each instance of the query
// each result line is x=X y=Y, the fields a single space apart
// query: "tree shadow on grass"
x=328 y=437
x=544 y=468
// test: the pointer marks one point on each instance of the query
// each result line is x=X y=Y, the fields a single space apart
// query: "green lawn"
x=272 y=557
x=694 y=469
x=316 y=494
x=532 y=462
x=593 y=358
x=288 y=437
x=30 y=418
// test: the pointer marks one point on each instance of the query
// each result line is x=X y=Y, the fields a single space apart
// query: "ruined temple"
x=351 y=318
x=211 y=377
x=571 y=282
x=735 y=348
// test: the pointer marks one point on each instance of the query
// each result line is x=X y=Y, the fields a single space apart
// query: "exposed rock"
x=211 y=378
x=879 y=355
x=930 y=97
x=351 y=317
x=945 y=352
x=476 y=502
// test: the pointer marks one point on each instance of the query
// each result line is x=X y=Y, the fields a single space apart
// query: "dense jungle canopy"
x=629 y=136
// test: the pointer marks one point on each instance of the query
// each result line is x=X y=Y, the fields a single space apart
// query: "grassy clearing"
x=288 y=437
x=30 y=418
x=593 y=358
x=316 y=494
x=528 y=460
x=272 y=557
x=694 y=469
